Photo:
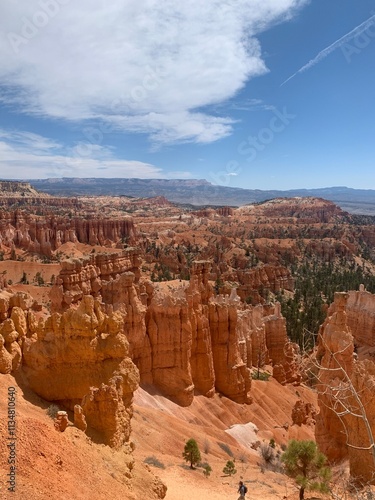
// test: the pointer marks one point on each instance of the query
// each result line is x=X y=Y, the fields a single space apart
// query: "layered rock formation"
x=284 y=355
x=18 y=189
x=201 y=342
x=309 y=209
x=79 y=351
x=262 y=280
x=43 y=201
x=44 y=234
x=17 y=320
x=79 y=277
x=68 y=355
x=360 y=311
x=345 y=425
x=182 y=337
x=303 y=413
x=108 y=408
x=229 y=332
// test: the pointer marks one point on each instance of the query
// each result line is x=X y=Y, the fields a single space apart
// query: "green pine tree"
x=207 y=469
x=307 y=465
x=229 y=468
x=191 y=453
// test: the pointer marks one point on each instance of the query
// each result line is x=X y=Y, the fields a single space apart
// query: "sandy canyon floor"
x=51 y=464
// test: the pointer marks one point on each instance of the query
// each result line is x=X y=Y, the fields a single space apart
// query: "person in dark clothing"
x=242 y=490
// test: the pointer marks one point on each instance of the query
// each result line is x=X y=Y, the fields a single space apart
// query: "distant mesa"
x=200 y=192
x=17 y=188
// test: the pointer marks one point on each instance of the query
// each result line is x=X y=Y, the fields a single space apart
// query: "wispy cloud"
x=143 y=67
x=252 y=105
x=335 y=45
x=26 y=141
x=24 y=155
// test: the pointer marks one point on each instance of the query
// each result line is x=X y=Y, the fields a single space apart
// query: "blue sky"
x=261 y=94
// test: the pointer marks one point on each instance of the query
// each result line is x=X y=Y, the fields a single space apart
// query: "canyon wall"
x=45 y=234
x=263 y=279
x=345 y=426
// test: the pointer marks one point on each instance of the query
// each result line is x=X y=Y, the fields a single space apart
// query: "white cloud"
x=31 y=156
x=144 y=66
x=26 y=140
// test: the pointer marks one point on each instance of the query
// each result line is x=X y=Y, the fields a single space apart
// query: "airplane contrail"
x=338 y=43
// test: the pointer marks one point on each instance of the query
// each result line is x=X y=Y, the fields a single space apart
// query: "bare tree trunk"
x=301 y=493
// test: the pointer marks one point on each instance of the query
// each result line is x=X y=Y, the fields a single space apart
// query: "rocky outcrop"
x=335 y=351
x=79 y=351
x=360 y=312
x=80 y=355
x=199 y=294
x=303 y=413
x=182 y=338
x=61 y=421
x=257 y=282
x=225 y=211
x=306 y=209
x=232 y=375
x=159 y=488
x=201 y=342
x=5 y=358
x=45 y=234
x=17 y=320
x=42 y=201
x=12 y=342
x=79 y=418
x=179 y=333
x=108 y=408
x=79 y=277
x=345 y=425
x=19 y=189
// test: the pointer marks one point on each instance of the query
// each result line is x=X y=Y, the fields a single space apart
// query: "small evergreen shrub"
x=260 y=375
x=207 y=469
x=230 y=468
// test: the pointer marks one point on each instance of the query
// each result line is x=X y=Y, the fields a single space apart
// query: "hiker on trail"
x=242 y=490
